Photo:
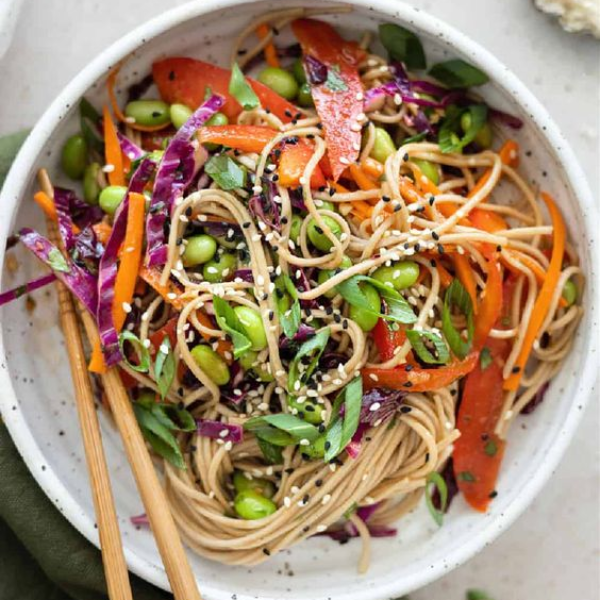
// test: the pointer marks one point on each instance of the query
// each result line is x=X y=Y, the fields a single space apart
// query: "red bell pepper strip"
x=253 y=138
x=478 y=451
x=338 y=99
x=416 y=379
x=387 y=339
x=292 y=163
x=185 y=80
x=169 y=329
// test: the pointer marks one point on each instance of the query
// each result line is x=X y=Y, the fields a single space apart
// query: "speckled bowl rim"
x=422 y=22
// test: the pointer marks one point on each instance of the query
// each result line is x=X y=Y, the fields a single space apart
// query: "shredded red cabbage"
x=536 y=400
x=304 y=332
x=81 y=283
x=140 y=520
x=348 y=531
x=378 y=405
x=316 y=71
x=263 y=207
x=354 y=446
x=35 y=284
x=244 y=275
x=130 y=149
x=506 y=119
x=177 y=169
x=218 y=430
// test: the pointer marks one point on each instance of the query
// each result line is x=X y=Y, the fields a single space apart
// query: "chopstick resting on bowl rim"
x=168 y=540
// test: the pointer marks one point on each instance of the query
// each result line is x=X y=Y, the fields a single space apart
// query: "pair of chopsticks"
x=183 y=583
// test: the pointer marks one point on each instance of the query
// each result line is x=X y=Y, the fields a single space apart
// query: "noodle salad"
x=327 y=288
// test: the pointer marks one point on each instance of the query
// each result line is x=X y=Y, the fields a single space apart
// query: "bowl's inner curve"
x=318 y=568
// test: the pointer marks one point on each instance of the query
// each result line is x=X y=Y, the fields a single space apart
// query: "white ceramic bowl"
x=37 y=398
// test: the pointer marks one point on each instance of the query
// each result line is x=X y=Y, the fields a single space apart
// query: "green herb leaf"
x=450 y=138
x=158 y=435
x=399 y=309
x=164 y=367
x=340 y=431
x=477 y=595
x=334 y=82
x=57 y=262
x=89 y=121
x=485 y=358
x=402 y=45
x=457 y=296
x=228 y=321
x=272 y=454
x=466 y=476
x=440 y=354
x=240 y=89
x=458 y=74
x=172 y=417
x=312 y=347
x=293 y=429
x=225 y=172
x=438 y=482
x=290 y=316
x=491 y=448
x=143 y=365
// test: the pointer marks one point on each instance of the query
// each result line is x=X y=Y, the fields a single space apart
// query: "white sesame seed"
x=321 y=528
x=108 y=168
x=126 y=307
x=375 y=406
x=326 y=499
x=229 y=445
x=304 y=442
x=147 y=343
x=171 y=296
x=287 y=502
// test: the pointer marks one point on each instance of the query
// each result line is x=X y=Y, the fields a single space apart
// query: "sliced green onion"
x=164 y=367
x=240 y=89
x=457 y=74
x=417 y=339
x=228 y=321
x=451 y=138
x=402 y=45
x=340 y=431
x=143 y=365
x=457 y=296
x=438 y=482
x=225 y=172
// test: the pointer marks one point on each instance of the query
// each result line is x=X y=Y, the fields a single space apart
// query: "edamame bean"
x=211 y=363
x=309 y=411
x=264 y=487
x=148 y=112
x=383 y=145
x=91 y=183
x=282 y=82
x=250 y=506
x=110 y=198
x=220 y=268
x=253 y=326
x=179 y=114
x=364 y=319
x=198 y=250
x=295 y=228
x=298 y=71
x=428 y=169
x=317 y=236
x=304 y=97
x=326 y=205
x=326 y=274
x=74 y=156
x=316 y=449
x=484 y=137
x=218 y=119
x=399 y=275
x=570 y=292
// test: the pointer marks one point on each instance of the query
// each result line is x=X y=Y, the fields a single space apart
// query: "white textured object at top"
x=574 y=15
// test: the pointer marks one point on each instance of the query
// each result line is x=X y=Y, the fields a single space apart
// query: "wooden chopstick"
x=168 y=540
x=115 y=567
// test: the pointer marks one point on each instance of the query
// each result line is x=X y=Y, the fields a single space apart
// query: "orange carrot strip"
x=47 y=205
x=262 y=31
x=152 y=277
x=110 y=87
x=466 y=277
x=542 y=303
x=102 y=231
x=361 y=179
x=112 y=150
x=130 y=257
x=373 y=168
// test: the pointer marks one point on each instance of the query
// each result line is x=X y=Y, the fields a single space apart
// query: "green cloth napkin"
x=42 y=557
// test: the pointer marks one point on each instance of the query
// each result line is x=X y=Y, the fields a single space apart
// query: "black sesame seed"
x=405 y=157
x=242 y=51
x=246 y=224
x=405 y=409
x=287 y=113
x=397 y=208
x=305 y=499
x=331 y=191
x=171 y=75
x=493 y=494
x=271 y=315
x=433 y=263
x=440 y=248
x=516 y=369
x=407 y=384
x=267 y=551
x=385 y=198
x=498 y=248
x=408 y=368
x=345 y=324
x=435 y=235
x=284 y=220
